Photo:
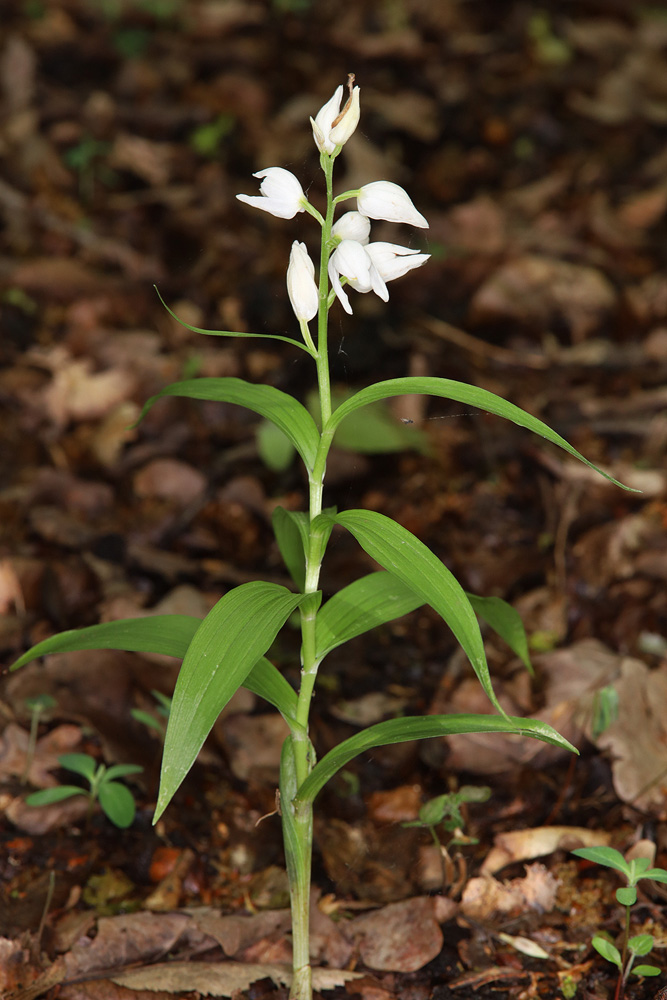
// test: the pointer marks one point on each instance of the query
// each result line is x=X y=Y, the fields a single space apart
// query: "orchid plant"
x=227 y=649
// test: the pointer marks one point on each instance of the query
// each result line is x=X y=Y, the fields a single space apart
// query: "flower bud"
x=353 y=226
x=386 y=200
x=301 y=286
x=280 y=193
x=333 y=127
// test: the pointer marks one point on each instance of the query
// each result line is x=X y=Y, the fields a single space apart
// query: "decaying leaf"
x=485 y=898
x=520 y=845
x=222 y=979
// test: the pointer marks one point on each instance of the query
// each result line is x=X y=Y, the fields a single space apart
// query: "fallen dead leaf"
x=519 y=845
x=169 y=479
x=637 y=740
x=540 y=291
x=253 y=743
x=222 y=979
x=14 y=746
x=400 y=937
x=484 y=898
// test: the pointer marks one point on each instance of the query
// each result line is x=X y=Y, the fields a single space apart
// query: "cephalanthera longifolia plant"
x=227 y=649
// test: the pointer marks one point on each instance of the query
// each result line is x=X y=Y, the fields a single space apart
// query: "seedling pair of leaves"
x=115 y=798
x=640 y=944
x=445 y=811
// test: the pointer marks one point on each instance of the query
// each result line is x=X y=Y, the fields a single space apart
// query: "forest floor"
x=533 y=137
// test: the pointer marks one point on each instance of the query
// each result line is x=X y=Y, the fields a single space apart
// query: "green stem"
x=298 y=757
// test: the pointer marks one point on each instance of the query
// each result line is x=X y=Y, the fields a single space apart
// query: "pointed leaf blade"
x=506 y=621
x=225 y=648
x=417 y=728
x=230 y=333
x=291 y=531
x=471 y=395
x=167 y=634
x=370 y=601
x=287 y=413
x=266 y=681
x=412 y=562
x=607 y=856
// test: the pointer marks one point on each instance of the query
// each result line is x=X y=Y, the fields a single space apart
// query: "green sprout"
x=115 y=799
x=631 y=947
x=445 y=811
x=163 y=708
x=37 y=706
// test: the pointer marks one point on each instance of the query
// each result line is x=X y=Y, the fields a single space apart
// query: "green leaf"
x=290 y=416
x=117 y=803
x=266 y=681
x=167 y=634
x=147 y=720
x=47 y=796
x=376 y=431
x=506 y=621
x=397 y=550
x=121 y=771
x=373 y=600
x=230 y=333
x=607 y=856
x=470 y=395
x=656 y=875
x=80 y=763
x=417 y=728
x=608 y=950
x=641 y=944
x=627 y=895
x=646 y=970
x=291 y=531
x=227 y=644
x=275 y=449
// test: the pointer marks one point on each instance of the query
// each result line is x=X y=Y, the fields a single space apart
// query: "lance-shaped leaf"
x=291 y=531
x=471 y=395
x=225 y=647
x=418 y=728
x=167 y=634
x=397 y=550
x=506 y=621
x=370 y=601
x=290 y=416
x=231 y=333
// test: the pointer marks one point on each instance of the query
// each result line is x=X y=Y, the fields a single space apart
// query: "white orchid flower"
x=350 y=260
x=393 y=261
x=388 y=201
x=301 y=287
x=353 y=226
x=333 y=127
x=280 y=193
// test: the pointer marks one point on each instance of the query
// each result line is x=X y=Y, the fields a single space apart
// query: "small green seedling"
x=116 y=799
x=36 y=706
x=163 y=708
x=445 y=810
x=631 y=947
